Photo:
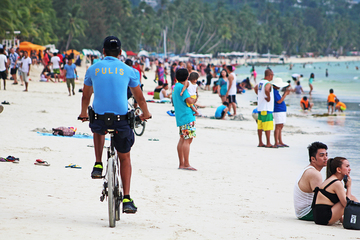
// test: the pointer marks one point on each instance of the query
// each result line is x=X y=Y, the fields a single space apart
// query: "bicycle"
x=112 y=187
x=139 y=125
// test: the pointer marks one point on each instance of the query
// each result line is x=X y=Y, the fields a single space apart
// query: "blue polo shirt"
x=183 y=113
x=110 y=79
x=278 y=107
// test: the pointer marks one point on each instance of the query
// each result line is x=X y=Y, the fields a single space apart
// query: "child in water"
x=192 y=89
x=331 y=101
x=340 y=106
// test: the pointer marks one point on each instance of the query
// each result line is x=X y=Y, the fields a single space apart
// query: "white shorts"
x=279 y=117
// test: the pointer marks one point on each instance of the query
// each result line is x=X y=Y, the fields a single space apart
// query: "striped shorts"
x=265 y=121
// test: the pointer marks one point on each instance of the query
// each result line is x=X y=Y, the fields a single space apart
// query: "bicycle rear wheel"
x=139 y=127
x=111 y=191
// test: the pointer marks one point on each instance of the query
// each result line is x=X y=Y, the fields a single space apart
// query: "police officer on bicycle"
x=109 y=80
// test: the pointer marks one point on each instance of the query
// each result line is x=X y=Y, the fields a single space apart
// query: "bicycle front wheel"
x=111 y=191
x=139 y=127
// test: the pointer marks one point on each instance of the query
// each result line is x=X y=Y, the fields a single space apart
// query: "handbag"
x=352 y=215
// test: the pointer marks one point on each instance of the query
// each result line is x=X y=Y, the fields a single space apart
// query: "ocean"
x=344 y=79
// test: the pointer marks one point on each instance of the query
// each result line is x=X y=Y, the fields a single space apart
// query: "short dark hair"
x=129 y=62
x=331 y=90
x=229 y=67
x=181 y=74
x=298 y=83
x=193 y=76
x=314 y=147
x=305 y=98
x=332 y=165
x=226 y=103
x=1 y=50
x=112 y=52
x=165 y=84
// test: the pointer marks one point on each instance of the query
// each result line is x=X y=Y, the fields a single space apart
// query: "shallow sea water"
x=345 y=80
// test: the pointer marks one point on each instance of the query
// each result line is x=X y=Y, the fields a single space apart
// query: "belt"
x=111 y=116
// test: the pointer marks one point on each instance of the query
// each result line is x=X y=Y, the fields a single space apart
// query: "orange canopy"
x=28 y=47
x=72 y=50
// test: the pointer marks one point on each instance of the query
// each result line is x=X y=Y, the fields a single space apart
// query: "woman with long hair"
x=330 y=197
x=222 y=85
x=311 y=79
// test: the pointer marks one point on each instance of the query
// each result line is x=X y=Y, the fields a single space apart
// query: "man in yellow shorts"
x=265 y=107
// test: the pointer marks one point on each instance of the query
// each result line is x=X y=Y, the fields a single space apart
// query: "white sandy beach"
x=239 y=191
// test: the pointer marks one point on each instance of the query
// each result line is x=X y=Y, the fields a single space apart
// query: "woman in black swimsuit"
x=330 y=197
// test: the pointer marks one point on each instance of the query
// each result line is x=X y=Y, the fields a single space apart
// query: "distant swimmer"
x=326 y=73
x=296 y=77
x=340 y=106
x=357 y=68
x=305 y=104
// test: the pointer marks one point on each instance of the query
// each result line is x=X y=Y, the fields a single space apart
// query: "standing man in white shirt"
x=265 y=108
x=55 y=61
x=3 y=66
x=25 y=69
x=231 y=92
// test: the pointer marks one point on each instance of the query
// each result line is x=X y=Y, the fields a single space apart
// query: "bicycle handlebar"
x=83 y=118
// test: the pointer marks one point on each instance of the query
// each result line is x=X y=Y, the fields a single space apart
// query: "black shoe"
x=97 y=171
x=129 y=206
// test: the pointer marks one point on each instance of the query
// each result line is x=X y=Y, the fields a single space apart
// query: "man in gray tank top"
x=309 y=179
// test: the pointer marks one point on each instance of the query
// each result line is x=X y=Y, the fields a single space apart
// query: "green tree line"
x=202 y=26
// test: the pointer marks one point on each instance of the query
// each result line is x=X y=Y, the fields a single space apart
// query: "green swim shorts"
x=308 y=217
x=56 y=71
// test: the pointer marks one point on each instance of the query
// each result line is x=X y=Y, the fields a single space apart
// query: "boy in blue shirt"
x=185 y=119
x=222 y=110
x=70 y=75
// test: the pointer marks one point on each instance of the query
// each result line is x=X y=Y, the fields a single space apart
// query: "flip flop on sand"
x=188 y=168
x=272 y=146
x=12 y=159
x=41 y=162
x=73 y=166
x=261 y=146
x=5 y=103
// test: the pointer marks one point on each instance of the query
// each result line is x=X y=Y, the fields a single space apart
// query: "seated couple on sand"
x=315 y=200
x=160 y=92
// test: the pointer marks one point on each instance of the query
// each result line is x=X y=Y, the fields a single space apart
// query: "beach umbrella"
x=96 y=53
x=143 y=53
x=130 y=53
x=72 y=50
x=28 y=46
x=123 y=53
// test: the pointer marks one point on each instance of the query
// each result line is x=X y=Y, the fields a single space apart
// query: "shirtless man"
x=308 y=180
